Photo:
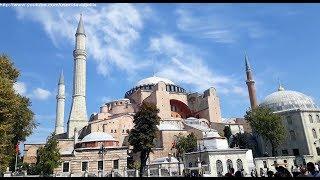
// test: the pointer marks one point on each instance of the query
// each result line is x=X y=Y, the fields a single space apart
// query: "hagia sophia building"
x=180 y=113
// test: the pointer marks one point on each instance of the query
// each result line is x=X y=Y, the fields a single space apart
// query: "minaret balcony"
x=79 y=52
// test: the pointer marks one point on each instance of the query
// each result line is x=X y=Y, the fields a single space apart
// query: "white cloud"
x=41 y=94
x=112 y=32
x=186 y=66
x=219 y=28
x=20 y=88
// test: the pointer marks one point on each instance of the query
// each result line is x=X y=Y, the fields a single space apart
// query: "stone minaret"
x=78 y=113
x=60 y=106
x=250 y=84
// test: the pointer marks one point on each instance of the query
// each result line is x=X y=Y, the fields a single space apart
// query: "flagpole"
x=17 y=152
x=15 y=166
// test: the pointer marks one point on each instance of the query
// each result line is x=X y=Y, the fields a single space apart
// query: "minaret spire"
x=78 y=114
x=80 y=29
x=247 y=62
x=61 y=79
x=59 y=129
x=280 y=88
x=250 y=83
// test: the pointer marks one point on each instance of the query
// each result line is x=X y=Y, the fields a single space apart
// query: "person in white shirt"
x=312 y=170
x=316 y=167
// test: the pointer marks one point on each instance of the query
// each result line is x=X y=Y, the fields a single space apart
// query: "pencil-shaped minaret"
x=78 y=113
x=60 y=106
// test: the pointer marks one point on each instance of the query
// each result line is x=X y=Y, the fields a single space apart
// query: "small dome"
x=153 y=80
x=97 y=136
x=287 y=100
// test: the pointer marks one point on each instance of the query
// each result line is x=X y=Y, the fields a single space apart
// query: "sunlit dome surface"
x=287 y=100
x=153 y=80
x=97 y=136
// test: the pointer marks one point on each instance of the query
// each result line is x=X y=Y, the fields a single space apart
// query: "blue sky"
x=194 y=45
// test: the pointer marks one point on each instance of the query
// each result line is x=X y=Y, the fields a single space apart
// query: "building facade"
x=301 y=119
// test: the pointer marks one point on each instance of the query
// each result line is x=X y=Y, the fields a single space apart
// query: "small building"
x=97 y=154
x=214 y=157
x=301 y=119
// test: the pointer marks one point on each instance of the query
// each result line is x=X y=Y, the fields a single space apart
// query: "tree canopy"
x=143 y=135
x=16 y=117
x=268 y=125
x=48 y=157
x=227 y=133
x=185 y=144
x=243 y=141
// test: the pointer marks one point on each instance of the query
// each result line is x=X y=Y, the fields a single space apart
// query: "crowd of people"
x=309 y=170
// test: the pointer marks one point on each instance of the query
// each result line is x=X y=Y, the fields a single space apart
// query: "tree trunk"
x=143 y=159
x=274 y=152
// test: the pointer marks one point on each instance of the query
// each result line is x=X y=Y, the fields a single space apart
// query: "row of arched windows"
x=145 y=87
x=229 y=166
x=293 y=135
x=123 y=131
x=314 y=133
x=173 y=88
x=311 y=118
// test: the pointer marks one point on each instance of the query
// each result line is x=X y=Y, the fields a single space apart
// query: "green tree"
x=48 y=157
x=16 y=117
x=143 y=135
x=243 y=141
x=268 y=125
x=185 y=144
x=227 y=133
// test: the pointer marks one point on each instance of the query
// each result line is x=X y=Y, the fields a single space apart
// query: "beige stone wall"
x=118 y=127
x=301 y=125
x=167 y=138
x=209 y=106
x=30 y=153
x=92 y=157
x=65 y=144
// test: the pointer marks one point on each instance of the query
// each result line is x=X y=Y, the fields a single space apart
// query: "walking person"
x=303 y=172
x=312 y=170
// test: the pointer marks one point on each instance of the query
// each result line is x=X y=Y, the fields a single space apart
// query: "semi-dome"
x=97 y=136
x=153 y=80
x=287 y=100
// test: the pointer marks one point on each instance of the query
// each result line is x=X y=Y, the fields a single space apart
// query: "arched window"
x=111 y=130
x=310 y=118
x=292 y=135
x=318 y=118
x=229 y=165
x=314 y=133
x=190 y=164
x=289 y=120
x=219 y=168
x=239 y=164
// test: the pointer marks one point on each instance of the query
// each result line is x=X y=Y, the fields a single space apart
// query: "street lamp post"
x=204 y=148
x=102 y=151
x=169 y=160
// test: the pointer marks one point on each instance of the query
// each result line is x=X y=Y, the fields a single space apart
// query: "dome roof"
x=153 y=80
x=287 y=100
x=97 y=136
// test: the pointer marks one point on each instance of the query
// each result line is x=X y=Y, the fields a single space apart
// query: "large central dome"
x=287 y=100
x=153 y=80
